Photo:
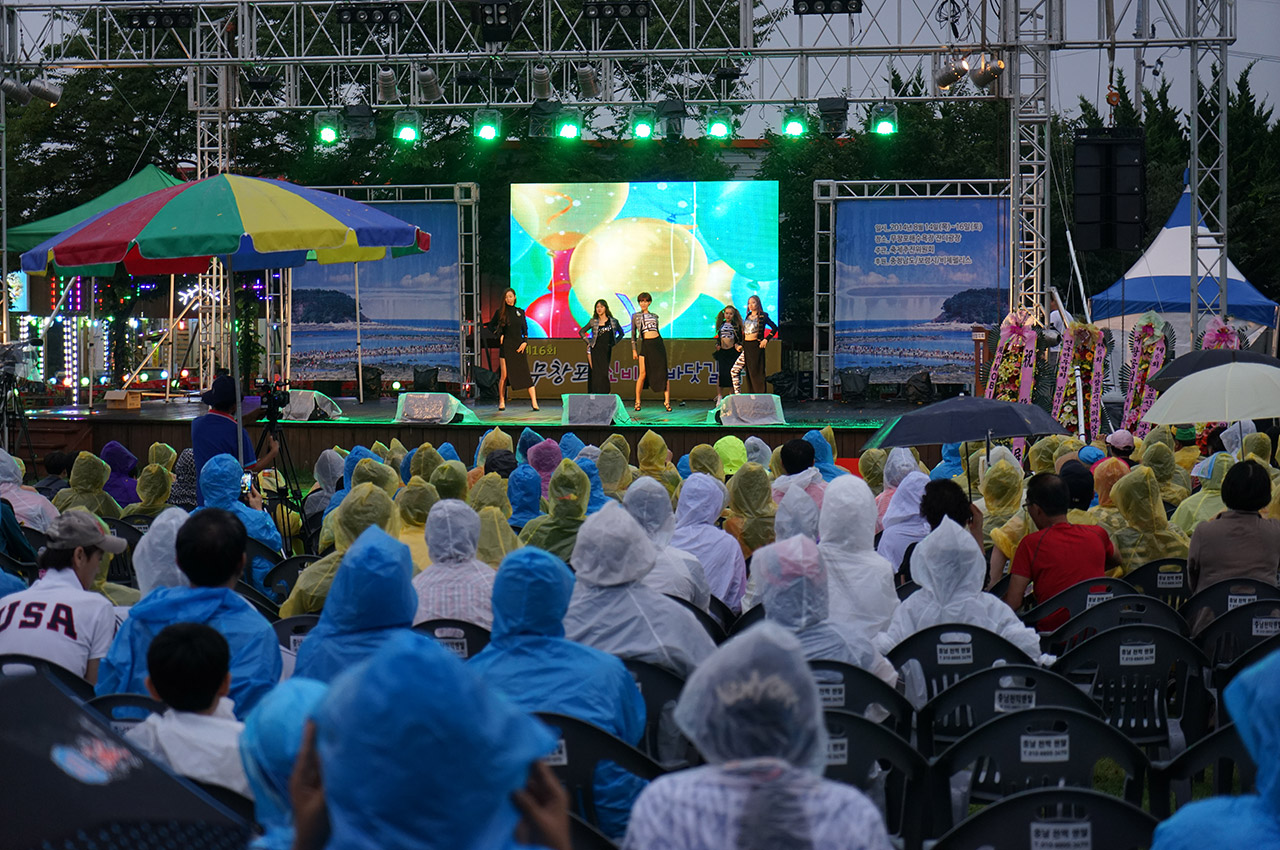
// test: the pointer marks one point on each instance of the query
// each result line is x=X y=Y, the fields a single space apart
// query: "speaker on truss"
x=1110 y=182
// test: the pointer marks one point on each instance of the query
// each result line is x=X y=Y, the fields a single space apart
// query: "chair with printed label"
x=1078 y=598
x=283 y=576
x=1120 y=611
x=120 y=570
x=1223 y=675
x=708 y=623
x=1222 y=751
x=844 y=687
x=124 y=711
x=660 y=689
x=1149 y=682
x=291 y=630
x=1227 y=637
x=1165 y=579
x=1210 y=603
x=1074 y=818
x=461 y=638
x=947 y=653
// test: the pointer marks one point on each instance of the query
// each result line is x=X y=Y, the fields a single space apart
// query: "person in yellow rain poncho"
x=1185 y=450
x=568 y=493
x=366 y=505
x=1147 y=534
x=367 y=471
x=450 y=480
x=425 y=460
x=1159 y=458
x=776 y=469
x=655 y=463
x=971 y=459
x=490 y=491
x=621 y=443
x=84 y=488
x=1207 y=503
x=163 y=454
x=396 y=454
x=871 y=468
x=751 y=508
x=615 y=475
x=1041 y=456
x=154 y=483
x=703 y=458
x=1068 y=445
x=1258 y=446
x=1162 y=434
x=271 y=482
x=497 y=540
x=491 y=442
x=413 y=504
x=1105 y=476
x=381 y=450
x=733 y=453
x=1001 y=490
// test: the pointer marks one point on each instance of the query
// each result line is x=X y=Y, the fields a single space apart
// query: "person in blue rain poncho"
x=570 y=445
x=210 y=550
x=524 y=490
x=353 y=457
x=406 y=466
x=528 y=439
x=370 y=600
x=597 y=499
x=950 y=465
x=448 y=452
x=415 y=752
x=269 y=747
x=220 y=484
x=824 y=460
x=683 y=466
x=1250 y=820
x=531 y=662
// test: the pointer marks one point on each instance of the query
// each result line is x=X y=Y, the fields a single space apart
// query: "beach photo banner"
x=912 y=276
x=410 y=311
x=695 y=246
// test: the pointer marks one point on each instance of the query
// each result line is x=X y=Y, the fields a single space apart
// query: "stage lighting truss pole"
x=1212 y=28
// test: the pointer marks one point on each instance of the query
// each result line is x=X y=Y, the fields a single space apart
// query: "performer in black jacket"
x=757 y=330
x=601 y=334
x=513 y=336
x=728 y=339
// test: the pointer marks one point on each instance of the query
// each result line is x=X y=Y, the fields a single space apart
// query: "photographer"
x=215 y=432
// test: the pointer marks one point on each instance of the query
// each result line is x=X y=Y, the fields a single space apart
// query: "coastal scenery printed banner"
x=409 y=307
x=913 y=275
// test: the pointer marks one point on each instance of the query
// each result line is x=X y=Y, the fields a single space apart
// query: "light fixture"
x=497 y=19
x=718 y=123
x=370 y=14
x=795 y=121
x=359 y=121
x=429 y=84
x=569 y=123
x=328 y=127
x=15 y=90
x=834 y=114
x=46 y=91
x=386 y=82
x=163 y=18
x=673 y=113
x=408 y=126
x=486 y=125
x=884 y=119
x=588 y=81
x=616 y=10
x=826 y=7
x=540 y=82
x=986 y=71
x=642 y=122
x=950 y=74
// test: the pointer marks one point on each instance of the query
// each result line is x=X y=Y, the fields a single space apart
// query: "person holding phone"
x=512 y=328
x=649 y=351
x=601 y=333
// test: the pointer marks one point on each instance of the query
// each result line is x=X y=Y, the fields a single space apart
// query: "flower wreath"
x=1081 y=347
x=1146 y=357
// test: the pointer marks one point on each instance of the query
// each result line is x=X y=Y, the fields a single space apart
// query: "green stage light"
x=408 y=126
x=487 y=124
x=719 y=123
x=327 y=127
x=569 y=123
x=795 y=122
x=395 y=385
x=884 y=119
x=643 y=120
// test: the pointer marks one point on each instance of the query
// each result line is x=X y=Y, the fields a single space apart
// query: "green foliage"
x=984 y=305
x=323 y=305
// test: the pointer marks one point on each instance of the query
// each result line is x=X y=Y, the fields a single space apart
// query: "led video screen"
x=694 y=246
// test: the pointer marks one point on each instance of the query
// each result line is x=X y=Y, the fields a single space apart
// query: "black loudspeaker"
x=1110 y=176
x=332 y=389
x=486 y=381
x=426 y=379
x=854 y=381
x=372 y=383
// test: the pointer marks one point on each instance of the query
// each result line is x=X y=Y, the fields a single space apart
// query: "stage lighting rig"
x=985 y=72
x=884 y=119
x=672 y=113
x=163 y=18
x=718 y=123
x=47 y=91
x=467 y=77
x=328 y=127
x=951 y=73
x=497 y=19
x=15 y=90
x=359 y=121
x=616 y=10
x=569 y=123
x=429 y=84
x=643 y=121
x=503 y=78
x=834 y=114
x=408 y=126
x=540 y=82
x=588 y=81
x=386 y=81
x=826 y=7
x=370 y=14
x=543 y=117
x=486 y=125
x=795 y=122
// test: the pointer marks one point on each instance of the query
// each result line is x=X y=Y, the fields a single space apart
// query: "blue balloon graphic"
x=740 y=224
x=671 y=202
x=521 y=242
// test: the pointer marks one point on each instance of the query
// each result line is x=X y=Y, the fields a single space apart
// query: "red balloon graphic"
x=552 y=311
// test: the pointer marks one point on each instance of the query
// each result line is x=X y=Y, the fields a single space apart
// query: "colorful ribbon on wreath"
x=1013 y=369
x=1218 y=334
x=1079 y=348
x=1145 y=359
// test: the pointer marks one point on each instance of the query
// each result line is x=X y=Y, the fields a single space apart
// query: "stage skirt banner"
x=409 y=310
x=912 y=277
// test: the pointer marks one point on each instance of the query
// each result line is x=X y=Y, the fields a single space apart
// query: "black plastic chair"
x=855 y=746
x=987 y=694
x=311 y=532
x=1142 y=676
x=461 y=638
x=1223 y=751
x=24 y=570
x=1054 y=817
x=124 y=711
x=844 y=687
x=705 y=620
x=139 y=521
x=1078 y=598
x=35 y=537
x=1120 y=611
x=1001 y=587
x=120 y=570
x=1035 y=747
x=238 y=803
x=1213 y=601
x=722 y=613
x=581 y=748
x=905 y=590
x=1166 y=579
x=749 y=618
x=256 y=549
x=948 y=652
x=266 y=606
x=660 y=689
x=1223 y=676
x=1226 y=638
x=284 y=575
x=14 y=664
x=291 y=630
x=584 y=836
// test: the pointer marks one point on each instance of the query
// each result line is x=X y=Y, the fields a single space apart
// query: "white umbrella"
x=1226 y=393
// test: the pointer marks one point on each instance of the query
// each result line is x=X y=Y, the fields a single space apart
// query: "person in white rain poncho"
x=797 y=515
x=754 y=713
x=457 y=585
x=903 y=522
x=897 y=467
x=31 y=509
x=612 y=609
x=794 y=593
x=155 y=558
x=674 y=571
x=702 y=499
x=860 y=588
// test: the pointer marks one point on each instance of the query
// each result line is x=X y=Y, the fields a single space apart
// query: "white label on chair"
x=955 y=653
x=832 y=695
x=558 y=757
x=1097 y=599
x=1015 y=700
x=1137 y=654
x=1046 y=747
x=1266 y=626
x=1061 y=836
x=837 y=751
x=295 y=641
x=1173 y=579
x=455 y=645
x=1235 y=600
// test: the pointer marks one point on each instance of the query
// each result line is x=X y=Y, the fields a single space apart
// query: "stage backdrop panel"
x=409 y=307
x=913 y=275
x=696 y=246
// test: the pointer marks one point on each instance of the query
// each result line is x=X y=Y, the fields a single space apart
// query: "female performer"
x=604 y=332
x=728 y=338
x=757 y=328
x=513 y=337
x=650 y=352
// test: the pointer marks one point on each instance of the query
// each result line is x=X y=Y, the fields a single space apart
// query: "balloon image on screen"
x=695 y=247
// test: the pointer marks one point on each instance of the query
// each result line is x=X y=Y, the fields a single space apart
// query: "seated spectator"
x=612 y=609
x=824 y=458
x=269 y=746
x=277 y=502
x=84 y=489
x=1185 y=450
x=528 y=439
x=497 y=540
x=1258 y=447
x=904 y=524
x=545 y=458
x=500 y=461
x=29 y=507
x=1147 y=534
x=675 y=572
x=396 y=453
x=570 y=445
x=797 y=457
x=155 y=557
x=12 y=541
x=450 y=480
x=751 y=508
x=703 y=458
x=702 y=499
x=457 y=585
x=57 y=466
x=897 y=467
x=210 y=547
x=59 y=618
x=1207 y=502
x=871 y=470
x=493 y=440
x=1120 y=444
x=943 y=499
x=524 y=491
x=596 y=499
x=733 y=453
x=1079 y=481
x=349 y=464
x=1105 y=477
x=198 y=736
x=220 y=484
x=1040 y=456
x=797 y=514
x=371 y=599
x=413 y=504
x=1239 y=542
x=557 y=532
x=154 y=484
x=529 y=660
x=183 y=492
x=1159 y=458
x=371 y=471
x=120 y=485
x=754 y=713
x=950 y=466
x=615 y=475
x=425 y=460
x=489 y=490
x=162 y=454
x=757 y=451
x=859 y=582
x=1001 y=489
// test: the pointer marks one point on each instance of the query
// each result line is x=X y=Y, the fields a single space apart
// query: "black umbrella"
x=1206 y=358
x=963 y=418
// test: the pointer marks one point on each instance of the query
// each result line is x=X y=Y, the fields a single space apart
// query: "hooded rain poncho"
x=88 y=474
x=615 y=475
x=29 y=507
x=1207 y=503
x=950 y=466
x=424 y=462
x=1159 y=459
x=163 y=454
x=597 y=499
x=871 y=469
x=497 y=540
x=703 y=458
x=1002 y=496
x=860 y=587
x=903 y=522
x=457 y=585
x=183 y=492
x=897 y=467
x=544 y=458
x=528 y=439
x=751 y=508
x=154 y=484
x=675 y=572
x=524 y=490
x=1147 y=534
x=490 y=491
x=413 y=505
x=349 y=462
x=396 y=453
x=120 y=485
x=570 y=445
x=1105 y=513
x=824 y=459
x=450 y=480
x=155 y=558
x=569 y=492
x=758 y=451
x=220 y=485
x=1040 y=458
x=733 y=453
x=701 y=500
x=652 y=455
x=328 y=475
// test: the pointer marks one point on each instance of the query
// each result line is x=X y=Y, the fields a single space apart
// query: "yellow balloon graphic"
x=559 y=215
x=634 y=255
x=717 y=282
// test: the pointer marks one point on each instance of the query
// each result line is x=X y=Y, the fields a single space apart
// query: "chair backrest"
x=237 y=803
x=256 y=549
x=1166 y=579
x=749 y=618
x=991 y=693
x=708 y=623
x=34 y=536
x=1001 y=587
x=1227 y=637
x=722 y=612
x=581 y=747
x=584 y=836
x=1033 y=748
x=284 y=575
x=120 y=528
x=140 y=522
x=14 y=664
x=1120 y=611
x=124 y=711
x=1078 y=598
x=905 y=590
x=1221 y=750
x=660 y=689
x=1223 y=676
x=1141 y=676
x=22 y=569
x=1054 y=817
x=1223 y=596
x=844 y=687
x=311 y=531
x=948 y=652
x=461 y=638
x=291 y=630
x=120 y=570
x=266 y=607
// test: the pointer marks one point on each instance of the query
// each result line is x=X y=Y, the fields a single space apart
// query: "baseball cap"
x=1184 y=434
x=81 y=528
x=1121 y=439
x=221 y=393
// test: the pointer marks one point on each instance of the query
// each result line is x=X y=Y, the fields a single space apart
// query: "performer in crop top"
x=650 y=352
x=601 y=334
x=757 y=330
x=513 y=337
x=728 y=338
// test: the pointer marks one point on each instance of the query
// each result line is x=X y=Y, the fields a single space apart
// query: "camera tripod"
x=292 y=495
x=13 y=417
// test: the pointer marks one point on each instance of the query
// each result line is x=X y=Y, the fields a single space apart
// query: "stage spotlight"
x=616 y=10
x=46 y=91
x=429 y=84
x=569 y=123
x=588 y=82
x=642 y=121
x=359 y=121
x=408 y=126
x=370 y=14
x=952 y=72
x=834 y=113
x=718 y=123
x=795 y=121
x=15 y=90
x=487 y=124
x=162 y=18
x=884 y=119
x=673 y=112
x=497 y=19
x=328 y=126
x=826 y=7
x=387 y=85
x=986 y=71
x=540 y=82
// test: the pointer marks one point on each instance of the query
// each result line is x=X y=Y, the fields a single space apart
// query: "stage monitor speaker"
x=751 y=409
x=310 y=406
x=426 y=379
x=430 y=408
x=592 y=409
x=372 y=383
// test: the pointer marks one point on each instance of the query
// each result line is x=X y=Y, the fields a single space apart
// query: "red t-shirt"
x=1058 y=557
